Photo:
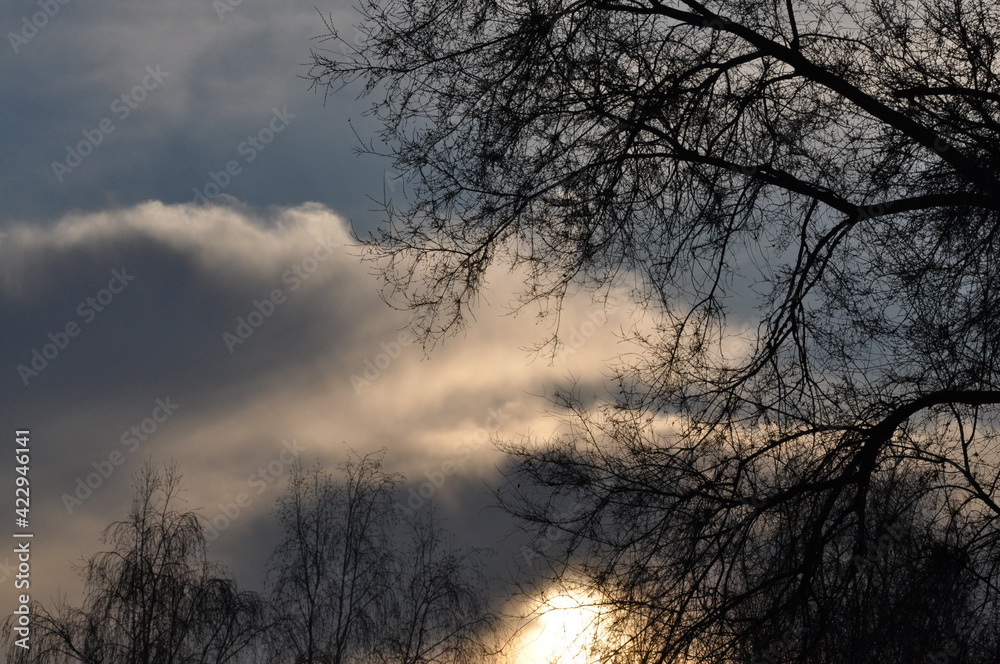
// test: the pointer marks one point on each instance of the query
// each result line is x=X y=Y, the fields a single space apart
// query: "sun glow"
x=563 y=630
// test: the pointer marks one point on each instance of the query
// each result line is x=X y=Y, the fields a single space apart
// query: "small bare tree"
x=349 y=587
x=154 y=597
x=437 y=610
x=331 y=569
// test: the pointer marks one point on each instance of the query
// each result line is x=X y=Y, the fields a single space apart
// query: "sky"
x=179 y=284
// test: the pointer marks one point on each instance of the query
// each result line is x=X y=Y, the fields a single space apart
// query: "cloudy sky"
x=177 y=283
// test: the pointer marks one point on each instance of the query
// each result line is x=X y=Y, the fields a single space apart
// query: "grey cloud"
x=222 y=78
x=200 y=273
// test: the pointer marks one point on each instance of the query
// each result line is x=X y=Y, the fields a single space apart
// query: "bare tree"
x=713 y=553
x=331 y=570
x=349 y=587
x=805 y=197
x=438 y=610
x=154 y=597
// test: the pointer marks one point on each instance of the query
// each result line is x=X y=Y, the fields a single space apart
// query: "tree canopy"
x=153 y=597
x=353 y=582
x=804 y=196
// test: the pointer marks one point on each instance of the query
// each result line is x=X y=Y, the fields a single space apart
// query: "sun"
x=563 y=630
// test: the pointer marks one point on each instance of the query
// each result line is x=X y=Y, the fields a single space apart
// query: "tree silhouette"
x=154 y=597
x=438 y=608
x=804 y=196
x=351 y=586
x=331 y=569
